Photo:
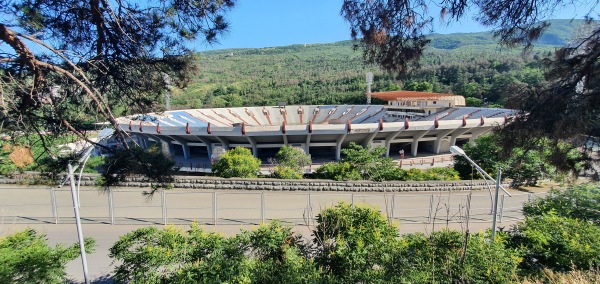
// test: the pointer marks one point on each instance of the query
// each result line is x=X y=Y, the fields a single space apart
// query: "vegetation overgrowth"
x=348 y=244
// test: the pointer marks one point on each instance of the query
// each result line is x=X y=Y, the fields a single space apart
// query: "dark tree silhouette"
x=393 y=35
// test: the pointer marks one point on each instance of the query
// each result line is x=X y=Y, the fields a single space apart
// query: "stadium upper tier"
x=319 y=130
x=296 y=115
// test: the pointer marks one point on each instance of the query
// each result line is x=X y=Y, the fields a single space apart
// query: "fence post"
x=352 y=195
x=214 y=213
x=163 y=195
x=308 y=210
x=430 y=208
x=469 y=208
x=262 y=207
x=53 y=204
x=111 y=207
x=502 y=208
x=393 y=205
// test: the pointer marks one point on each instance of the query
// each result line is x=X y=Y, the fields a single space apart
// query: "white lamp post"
x=455 y=150
x=105 y=133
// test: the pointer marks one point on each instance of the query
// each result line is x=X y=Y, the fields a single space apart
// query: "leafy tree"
x=290 y=163
x=485 y=152
x=580 y=202
x=68 y=64
x=370 y=162
x=527 y=167
x=26 y=257
x=392 y=34
x=269 y=254
x=523 y=166
x=450 y=256
x=353 y=243
x=237 y=162
x=150 y=162
x=558 y=243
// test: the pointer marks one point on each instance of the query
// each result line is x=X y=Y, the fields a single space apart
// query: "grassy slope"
x=327 y=73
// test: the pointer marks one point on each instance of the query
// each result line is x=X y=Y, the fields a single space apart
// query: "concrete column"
x=208 y=146
x=438 y=141
x=307 y=143
x=253 y=144
x=388 y=141
x=476 y=132
x=338 y=147
x=414 y=146
x=223 y=141
x=456 y=134
x=370 y=138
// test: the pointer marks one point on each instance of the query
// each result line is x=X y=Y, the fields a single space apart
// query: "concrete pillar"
x=388 y=141
x=438 y=140
x=414 y=146
x=458 y=132
x=338 y=147
x=253 y=144
x=370 y=138
x=307 y=144
x=476 y=132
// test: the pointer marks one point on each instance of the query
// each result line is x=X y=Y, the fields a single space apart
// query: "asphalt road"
x=414 y=212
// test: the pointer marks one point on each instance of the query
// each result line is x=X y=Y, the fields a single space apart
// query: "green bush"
x=353 y=243
x=26 y=257
x=290 y=163
x=557 y=243
x=371 y=162
x=579 y=202
x=269 y=254
x=338 y=171
x=237 y=162
x=452 y=257
x=441 y=173
x=285 y=172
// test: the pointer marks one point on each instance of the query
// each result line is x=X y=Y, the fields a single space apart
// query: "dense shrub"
x=26 y=257
x=285 y=172
x=237 y=162
x=290 y=163
x=579 y=202
x=452 y=257
x=557 y=243
x=353 y=243
x=338 y=171
x=269 y=254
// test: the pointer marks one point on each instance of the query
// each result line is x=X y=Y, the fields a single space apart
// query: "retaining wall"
x=215 y=183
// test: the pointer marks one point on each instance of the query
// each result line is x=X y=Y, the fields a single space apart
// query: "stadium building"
x=415 y=122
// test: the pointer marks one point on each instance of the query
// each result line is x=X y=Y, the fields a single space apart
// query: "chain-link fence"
x=131 y=206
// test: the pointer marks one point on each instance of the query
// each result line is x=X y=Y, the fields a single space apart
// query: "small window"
x=434 y=102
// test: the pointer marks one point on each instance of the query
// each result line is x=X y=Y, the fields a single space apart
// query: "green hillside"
x=471 y=64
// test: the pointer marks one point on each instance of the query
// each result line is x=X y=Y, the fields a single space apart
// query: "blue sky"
x=265 y=23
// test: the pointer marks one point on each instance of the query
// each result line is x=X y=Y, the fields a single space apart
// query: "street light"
x=103 y=134
x=455 y=150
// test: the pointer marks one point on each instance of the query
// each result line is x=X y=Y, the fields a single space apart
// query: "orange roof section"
x=410 y=95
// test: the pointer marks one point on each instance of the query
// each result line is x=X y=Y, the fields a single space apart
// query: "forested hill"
x=470 y=64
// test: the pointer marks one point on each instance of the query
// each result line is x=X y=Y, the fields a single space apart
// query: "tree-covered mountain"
x=470 y=64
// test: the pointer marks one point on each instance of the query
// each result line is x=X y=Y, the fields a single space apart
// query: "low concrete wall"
x=215 y=183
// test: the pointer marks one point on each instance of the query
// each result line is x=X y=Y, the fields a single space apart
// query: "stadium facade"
x=415 y=122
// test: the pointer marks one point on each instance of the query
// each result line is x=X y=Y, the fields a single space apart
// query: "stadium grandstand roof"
x=410 y=95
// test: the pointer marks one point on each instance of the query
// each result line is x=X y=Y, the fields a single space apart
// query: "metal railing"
x=130 y=206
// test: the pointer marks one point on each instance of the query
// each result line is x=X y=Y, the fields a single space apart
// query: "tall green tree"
x=237 y=162
x=26 y=257
x=393 y=35
x=290 y=163
x=371 y=163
